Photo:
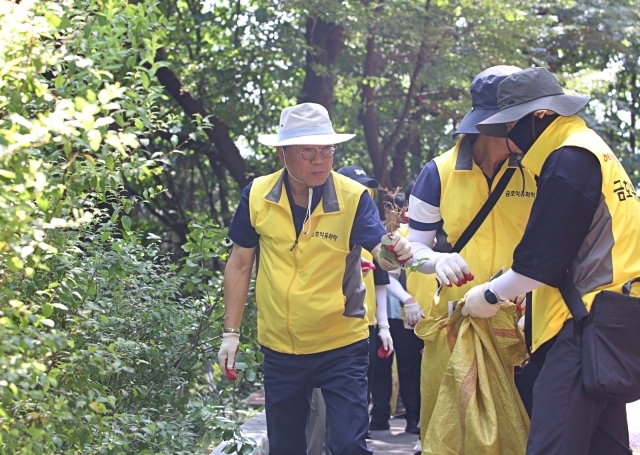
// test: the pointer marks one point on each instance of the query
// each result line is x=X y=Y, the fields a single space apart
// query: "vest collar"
x=464 y=157
x=330 y=201
x=550 y=140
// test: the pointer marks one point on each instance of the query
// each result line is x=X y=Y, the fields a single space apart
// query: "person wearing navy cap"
x=359 y=175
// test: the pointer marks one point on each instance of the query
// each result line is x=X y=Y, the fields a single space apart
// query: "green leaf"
x=95 y=139
x=47 y=310
x=145 y=80
x=59 y=81
x=7 y=174
x=15 y=264
x=126 y=223
x=53 y=19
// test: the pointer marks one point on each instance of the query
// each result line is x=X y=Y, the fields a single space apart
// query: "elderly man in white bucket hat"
x=310 y=225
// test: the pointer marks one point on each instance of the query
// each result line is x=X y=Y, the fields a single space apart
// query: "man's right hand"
x=227 y=354
x=451 y=268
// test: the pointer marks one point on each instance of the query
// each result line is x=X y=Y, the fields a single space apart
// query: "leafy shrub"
x=103 y=350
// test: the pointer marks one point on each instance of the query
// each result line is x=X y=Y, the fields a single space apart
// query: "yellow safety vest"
x=464 y=190
x=610 y=253
x=310 y=297
x=422 y=289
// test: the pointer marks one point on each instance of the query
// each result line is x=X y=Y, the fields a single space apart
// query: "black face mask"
x=528 y=129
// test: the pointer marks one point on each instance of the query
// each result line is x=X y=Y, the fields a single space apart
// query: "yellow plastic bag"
x=470 y=404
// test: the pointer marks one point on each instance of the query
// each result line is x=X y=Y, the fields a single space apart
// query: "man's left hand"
x=399 y=247
x=476 y=304
x=366 y=267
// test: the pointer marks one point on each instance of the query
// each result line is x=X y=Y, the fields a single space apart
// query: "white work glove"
x=387 y=341
x=227 y=354
x=477 y=306
x=413 y=312
x=395 y=251
x=451 y=268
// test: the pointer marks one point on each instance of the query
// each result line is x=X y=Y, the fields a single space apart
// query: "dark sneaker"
x=412 y=427
x=378 y=426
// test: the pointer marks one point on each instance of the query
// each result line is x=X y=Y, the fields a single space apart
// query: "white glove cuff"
x=424 y=256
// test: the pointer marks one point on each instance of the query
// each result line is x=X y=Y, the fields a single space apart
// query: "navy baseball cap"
x=484 y=97
x=357 y=174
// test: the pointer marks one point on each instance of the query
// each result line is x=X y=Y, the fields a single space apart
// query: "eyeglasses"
x=327 y=152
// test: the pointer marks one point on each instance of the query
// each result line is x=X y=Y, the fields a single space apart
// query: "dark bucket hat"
x=527 y=91
x=484 y=94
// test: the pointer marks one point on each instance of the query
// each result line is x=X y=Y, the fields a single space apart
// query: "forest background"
x=127 y=132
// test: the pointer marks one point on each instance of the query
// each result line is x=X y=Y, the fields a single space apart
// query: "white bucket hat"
x=306 y=123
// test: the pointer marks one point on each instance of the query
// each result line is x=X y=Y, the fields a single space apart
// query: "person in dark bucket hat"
x=484 y=94
x=527 y=91
x=583 y=234
x=449 y=192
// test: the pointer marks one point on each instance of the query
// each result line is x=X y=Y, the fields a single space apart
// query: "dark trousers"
x=566 y=420
x=380 y=382
x=373 y=335
x=341 y=374
x=407 y=347
x=525 y=377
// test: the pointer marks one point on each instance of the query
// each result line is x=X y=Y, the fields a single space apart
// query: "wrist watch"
x=491 y=297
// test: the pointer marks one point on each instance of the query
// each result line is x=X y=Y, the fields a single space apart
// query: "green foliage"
x=104 y=345
x=206 y=244
x=101 y=173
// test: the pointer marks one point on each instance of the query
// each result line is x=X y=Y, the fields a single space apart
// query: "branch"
x=229 y=154
x=420 y=63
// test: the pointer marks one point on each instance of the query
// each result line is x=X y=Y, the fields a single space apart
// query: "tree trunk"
x=367 y=114
x=325 y=40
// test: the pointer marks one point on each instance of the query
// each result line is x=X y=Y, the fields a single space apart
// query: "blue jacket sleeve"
x=367 y=228
x=241 y=232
